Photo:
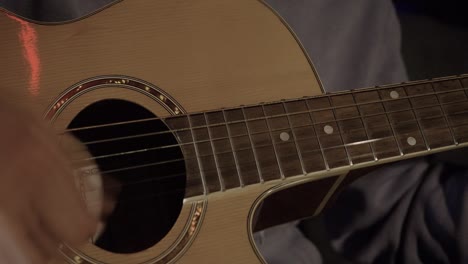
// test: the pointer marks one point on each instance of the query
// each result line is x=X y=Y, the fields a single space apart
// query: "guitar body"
x=169 y=57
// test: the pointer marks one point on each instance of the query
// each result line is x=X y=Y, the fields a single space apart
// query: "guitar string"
x=294 y=155
x=259 y=105
x=175 y=190
x=345 y=159
x=233 y=166
x=259 y=146
x=159 y=194
x=205 y=141
x=360 y=117
x=183 y=174
x=312 y=125
x=403 y=110
x=166 y=177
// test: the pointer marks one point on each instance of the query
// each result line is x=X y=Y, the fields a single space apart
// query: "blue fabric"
x=411 y=212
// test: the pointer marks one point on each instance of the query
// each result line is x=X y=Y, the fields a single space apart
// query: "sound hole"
x=151 y=175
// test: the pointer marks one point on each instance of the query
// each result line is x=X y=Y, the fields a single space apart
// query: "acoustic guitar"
x=166 y=95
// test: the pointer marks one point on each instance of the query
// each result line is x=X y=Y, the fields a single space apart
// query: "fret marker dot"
x=411 y=141
x=328 y=129
x=394 y=95
x=284 y=136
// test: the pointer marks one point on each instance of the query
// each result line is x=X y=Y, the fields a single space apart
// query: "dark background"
x=434 y=44
x=434 y=37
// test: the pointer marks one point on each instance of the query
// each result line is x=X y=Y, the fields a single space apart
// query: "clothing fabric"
x=411 y=212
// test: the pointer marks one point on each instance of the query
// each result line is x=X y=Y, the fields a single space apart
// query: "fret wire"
x=221 y=180
x=372 y=145
x=364 y=125
x=418 y=123
x=317 y=136
x=260 y=175
x=445 y=116
x=202 y=173
x=391 y=126
x=274 y=145
x=294 y=139
x=234 y=153
x=350 y=161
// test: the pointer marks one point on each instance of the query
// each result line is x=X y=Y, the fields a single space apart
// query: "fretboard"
x=235 y=147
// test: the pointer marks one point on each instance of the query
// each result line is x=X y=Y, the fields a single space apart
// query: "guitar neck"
x=240 y=146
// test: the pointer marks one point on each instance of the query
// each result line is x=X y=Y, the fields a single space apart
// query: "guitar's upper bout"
x=207 y=54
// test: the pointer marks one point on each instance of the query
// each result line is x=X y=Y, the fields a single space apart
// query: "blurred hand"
x=40 y=206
